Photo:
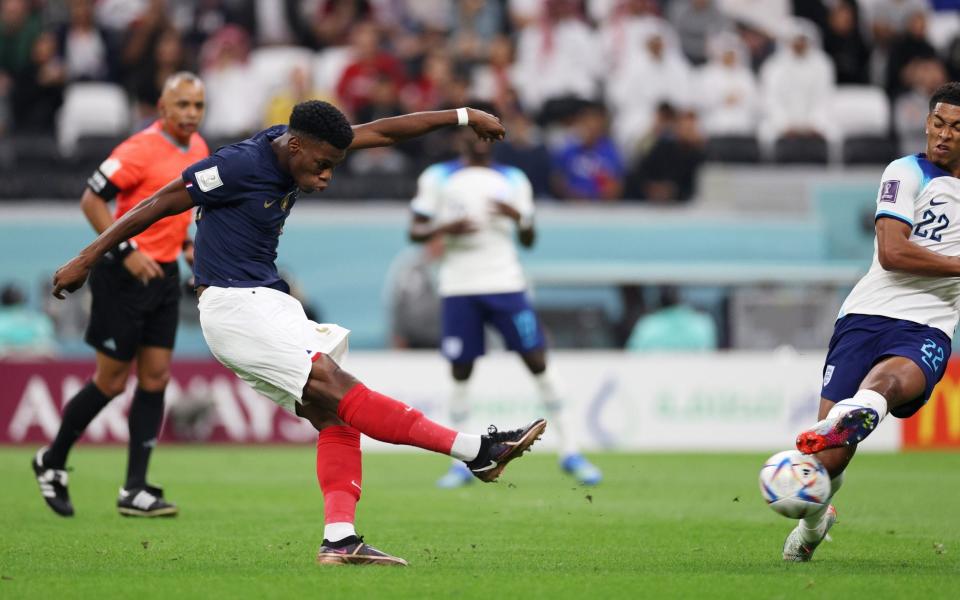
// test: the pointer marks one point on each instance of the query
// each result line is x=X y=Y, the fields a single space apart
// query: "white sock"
x=459 y=407
x=810 y=525
x=465 y=447
x=334 y=532
x=862 y=399
x=549 y=390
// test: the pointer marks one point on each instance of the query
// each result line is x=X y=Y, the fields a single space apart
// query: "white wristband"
x=462 y=117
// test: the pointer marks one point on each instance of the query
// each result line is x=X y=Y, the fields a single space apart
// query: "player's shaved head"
x=181 y=105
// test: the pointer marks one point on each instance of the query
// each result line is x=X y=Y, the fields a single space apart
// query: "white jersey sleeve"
x=521 y=192
x=900 y=185
x=429 y=188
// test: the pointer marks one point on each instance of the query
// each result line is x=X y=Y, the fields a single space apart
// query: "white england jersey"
x=917 y=192
x=485 y=261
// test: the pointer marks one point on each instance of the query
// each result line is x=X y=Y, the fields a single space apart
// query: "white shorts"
x=264 y=337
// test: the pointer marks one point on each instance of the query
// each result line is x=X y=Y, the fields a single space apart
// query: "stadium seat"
x=733 y=149
x=271 y=67
x=98 y=109
x=29 y=150
x=868 y=150
x=800 y=150
x=861 y=123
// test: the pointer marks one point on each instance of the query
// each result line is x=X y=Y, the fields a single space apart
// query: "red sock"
x=339 y=472
x=391 y=421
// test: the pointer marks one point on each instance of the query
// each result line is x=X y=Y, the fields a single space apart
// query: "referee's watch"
x=124 y=249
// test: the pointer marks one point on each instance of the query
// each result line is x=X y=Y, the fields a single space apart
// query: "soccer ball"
x=794 y=484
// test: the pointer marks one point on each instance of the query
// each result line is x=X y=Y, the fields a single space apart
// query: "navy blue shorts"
x=465 y=316
x=861 y=341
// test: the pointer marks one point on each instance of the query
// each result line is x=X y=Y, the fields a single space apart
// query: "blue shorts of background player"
x=464 y=318
x=861 y=341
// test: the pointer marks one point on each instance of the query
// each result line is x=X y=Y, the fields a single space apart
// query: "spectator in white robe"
x=727 y=91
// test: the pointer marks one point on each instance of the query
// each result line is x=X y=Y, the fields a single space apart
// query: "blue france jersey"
x=243 y=198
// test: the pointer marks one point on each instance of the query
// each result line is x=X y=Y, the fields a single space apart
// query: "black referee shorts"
x=126 y=314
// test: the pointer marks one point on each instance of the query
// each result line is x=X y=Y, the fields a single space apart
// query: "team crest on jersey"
x=209 y=179
x=827 y=375
x=888 y=190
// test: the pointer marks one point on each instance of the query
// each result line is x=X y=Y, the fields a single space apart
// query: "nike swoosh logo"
x=935 y=203
x=354 y=484
x=492 y=464
x=269 y=203
x=408 y=409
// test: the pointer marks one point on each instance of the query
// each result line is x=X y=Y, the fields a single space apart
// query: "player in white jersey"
x=892 y=339
x=477 y=205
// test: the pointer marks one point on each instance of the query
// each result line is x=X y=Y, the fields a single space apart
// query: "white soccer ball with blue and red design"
x=794 y=484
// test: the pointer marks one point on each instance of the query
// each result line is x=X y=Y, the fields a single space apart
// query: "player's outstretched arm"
x=389 y=131
x=171 y=199
x=896 y=252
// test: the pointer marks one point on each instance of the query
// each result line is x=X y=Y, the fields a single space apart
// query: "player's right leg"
x=49 y=464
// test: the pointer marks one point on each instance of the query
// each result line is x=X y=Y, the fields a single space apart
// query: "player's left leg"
x=137 y=497
x=894 y=382
x=549 y=389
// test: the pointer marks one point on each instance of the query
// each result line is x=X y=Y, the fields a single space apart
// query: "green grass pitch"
x=660 y=526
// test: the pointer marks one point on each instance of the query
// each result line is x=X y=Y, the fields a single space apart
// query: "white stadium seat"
x=860 y=110
x=92 y=109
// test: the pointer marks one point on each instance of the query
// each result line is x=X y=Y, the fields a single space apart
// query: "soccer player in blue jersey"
x=892 y=340
x=243 y=194
x=476 y=205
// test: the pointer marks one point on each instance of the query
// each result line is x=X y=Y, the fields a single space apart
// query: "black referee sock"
x=145 y=418
x=80 y=410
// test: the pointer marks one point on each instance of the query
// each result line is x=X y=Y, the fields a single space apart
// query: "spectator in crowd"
x=556 y=56
x=843 y=42
x=84 y=46
x=727 y=91
x=603 y=11
x=370 y=62
x=413 y=298
x=298 y=89
x=429 y=90
x=167 y=58
x=923 y=76
x=589 y=166
x=226 y=74
x=334 y=20
x=657 y=72
x=695 y=21
x=766 y=16
x=910 y=45
x=796 y=84
x=476 y=24
x=23 y=331
x=38 y=90
x=674 y=327
x=524 y=148
x=491 y=81
x=206 y=19
x=19 y=30
x=887 y=20
x=625 y=30
x=668 y=171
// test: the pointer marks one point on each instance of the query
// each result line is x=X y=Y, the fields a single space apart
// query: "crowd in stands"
x=603 y=99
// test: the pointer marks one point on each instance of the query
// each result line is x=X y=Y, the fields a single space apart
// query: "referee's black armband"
x=101 y=185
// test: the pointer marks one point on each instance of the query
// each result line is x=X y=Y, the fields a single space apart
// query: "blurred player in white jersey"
x=477 y=205
x=892 y=340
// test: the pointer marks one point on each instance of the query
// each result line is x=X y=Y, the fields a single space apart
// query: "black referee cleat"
x=353 y=551
x=53 y=485
x=497 y=448
x=145 y=502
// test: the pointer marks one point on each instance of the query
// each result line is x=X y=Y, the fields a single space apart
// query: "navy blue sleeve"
x=217 y=179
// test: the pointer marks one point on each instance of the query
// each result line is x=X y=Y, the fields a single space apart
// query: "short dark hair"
x=323 y=121
x=948 y=93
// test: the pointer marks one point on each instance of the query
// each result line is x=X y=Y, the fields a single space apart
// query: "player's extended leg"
x=332 y=391
x=137 y=497
x=458 y=475
x=49 y=464
x=551 y=397
x=892 y=382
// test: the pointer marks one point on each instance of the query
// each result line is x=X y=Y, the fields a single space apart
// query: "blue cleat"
x=458 y=476
x=581 y=468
